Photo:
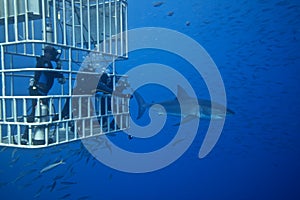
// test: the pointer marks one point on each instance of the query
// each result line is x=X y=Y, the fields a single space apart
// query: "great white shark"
x=184 y=106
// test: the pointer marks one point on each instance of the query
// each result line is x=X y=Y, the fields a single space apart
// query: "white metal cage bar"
x=82 y=24
x=14 y=123
x=78 y=28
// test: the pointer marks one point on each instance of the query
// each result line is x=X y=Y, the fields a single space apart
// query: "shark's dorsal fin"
x=181 y=93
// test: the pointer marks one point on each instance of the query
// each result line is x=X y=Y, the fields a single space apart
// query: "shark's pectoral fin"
x=186 y=119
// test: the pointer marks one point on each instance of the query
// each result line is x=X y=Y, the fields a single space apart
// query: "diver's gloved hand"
x=62 y=80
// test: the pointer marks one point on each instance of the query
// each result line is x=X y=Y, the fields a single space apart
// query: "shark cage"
x=88 y=36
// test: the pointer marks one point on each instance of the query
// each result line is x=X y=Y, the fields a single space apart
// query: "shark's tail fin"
x=142 y=105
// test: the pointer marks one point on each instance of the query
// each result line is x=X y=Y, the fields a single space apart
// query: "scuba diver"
x=81 y=88
x=104 y=87
x=42 y=83
x=84 y=86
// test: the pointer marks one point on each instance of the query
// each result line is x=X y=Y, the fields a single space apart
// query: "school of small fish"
x=59 y=168
x=170 y=13
x=62 y=161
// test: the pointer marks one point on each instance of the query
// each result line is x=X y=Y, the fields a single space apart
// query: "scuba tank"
x=41 y=115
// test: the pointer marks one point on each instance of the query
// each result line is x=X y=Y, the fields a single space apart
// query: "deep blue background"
x=255 y=45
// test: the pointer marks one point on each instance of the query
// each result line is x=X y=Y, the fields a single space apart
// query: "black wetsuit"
x=105 y=86
x=44 y=79
x=43 y=82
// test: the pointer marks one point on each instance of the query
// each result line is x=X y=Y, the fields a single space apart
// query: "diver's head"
x=104 y=78
x=52 y=53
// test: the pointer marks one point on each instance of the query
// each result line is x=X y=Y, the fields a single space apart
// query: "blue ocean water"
x=255 y=45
